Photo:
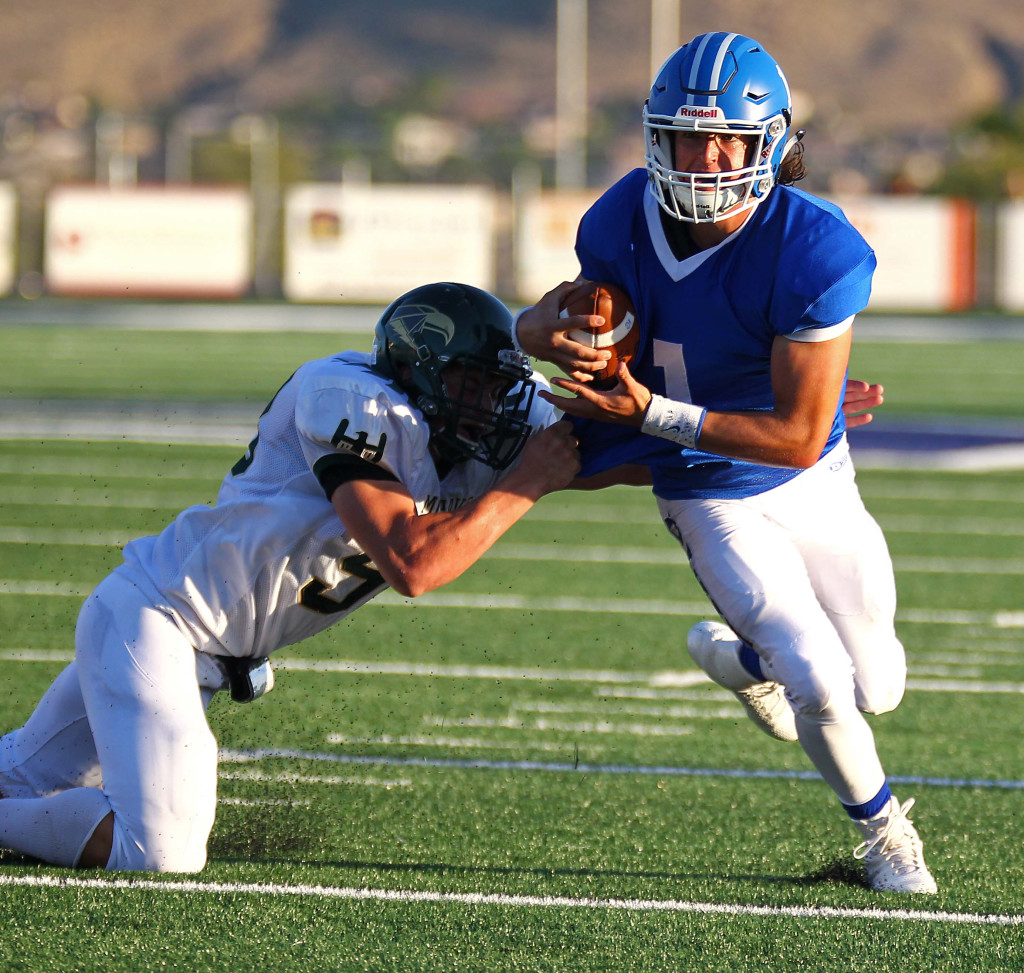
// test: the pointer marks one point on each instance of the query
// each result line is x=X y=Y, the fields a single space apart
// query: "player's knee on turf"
x=128 y=856
x=179 y=846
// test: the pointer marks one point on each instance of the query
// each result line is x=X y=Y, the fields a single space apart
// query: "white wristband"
x=679 y=421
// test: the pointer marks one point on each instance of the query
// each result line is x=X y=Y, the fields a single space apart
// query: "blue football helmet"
x=718 y=83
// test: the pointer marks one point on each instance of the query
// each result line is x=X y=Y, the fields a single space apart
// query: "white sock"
x=53 y=829
x=845 y=756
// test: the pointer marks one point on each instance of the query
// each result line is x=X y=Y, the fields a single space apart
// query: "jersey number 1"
x=668 y=356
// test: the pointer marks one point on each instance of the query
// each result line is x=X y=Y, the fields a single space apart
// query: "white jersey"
x=271 y=563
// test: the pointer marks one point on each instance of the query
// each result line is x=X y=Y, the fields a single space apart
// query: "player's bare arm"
x=418 y=553
x=806 y=379
x=542 y=334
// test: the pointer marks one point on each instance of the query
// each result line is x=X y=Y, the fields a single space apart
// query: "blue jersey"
x=707 y=323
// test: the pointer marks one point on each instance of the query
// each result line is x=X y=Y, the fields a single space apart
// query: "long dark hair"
x=792 y=168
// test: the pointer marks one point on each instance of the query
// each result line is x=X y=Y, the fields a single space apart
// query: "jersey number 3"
x=358 y=565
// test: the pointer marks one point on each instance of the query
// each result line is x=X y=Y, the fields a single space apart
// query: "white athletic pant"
x=128 y=717
x=802 y=573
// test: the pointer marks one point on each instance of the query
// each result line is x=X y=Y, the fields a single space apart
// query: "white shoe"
x=715 y=648
x=892 y=852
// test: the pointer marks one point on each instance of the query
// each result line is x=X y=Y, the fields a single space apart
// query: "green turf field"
x=523 y=771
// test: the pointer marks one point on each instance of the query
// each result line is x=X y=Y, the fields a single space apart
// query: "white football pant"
x=127 y=719
x=802 y=574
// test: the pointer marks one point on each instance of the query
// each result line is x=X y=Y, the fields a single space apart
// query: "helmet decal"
x=411 y=320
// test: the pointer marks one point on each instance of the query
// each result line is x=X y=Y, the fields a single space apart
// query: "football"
x=619 y=333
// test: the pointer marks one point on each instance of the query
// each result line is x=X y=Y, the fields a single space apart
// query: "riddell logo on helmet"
x=691 y=111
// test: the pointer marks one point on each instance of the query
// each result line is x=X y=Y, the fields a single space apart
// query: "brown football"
x=618 y=333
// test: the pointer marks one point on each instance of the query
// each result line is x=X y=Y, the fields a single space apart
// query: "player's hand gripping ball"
x=619 y=333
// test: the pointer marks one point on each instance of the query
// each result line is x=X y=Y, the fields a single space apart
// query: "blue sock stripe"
x=872 y=807
x=751 y=661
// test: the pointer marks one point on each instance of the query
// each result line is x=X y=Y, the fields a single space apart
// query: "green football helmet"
x=449 y=347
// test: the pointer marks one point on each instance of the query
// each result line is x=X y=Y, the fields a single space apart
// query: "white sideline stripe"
x=670 y=712
x=260 y=778
x=540 y=725
x=993 y=657
x=216 y=471
x=963 y=492
x=974 y=459
x=114 y=470
x=959 y=565
x=128 y=430
x=513 y=901
x=527 y=603
x=1003 y=619
x=451 y=743
x=565 y=553
x=87 y=465
x=176 y=498
x=956 y=669
x=276 y=753
x=247 y=802
x=964 y=686
x=69 y=535
x=599 y=513
x=664 y=679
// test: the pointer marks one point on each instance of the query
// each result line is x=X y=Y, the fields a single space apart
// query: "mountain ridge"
x=861 y=70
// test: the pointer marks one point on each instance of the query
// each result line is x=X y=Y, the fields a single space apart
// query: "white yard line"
x=666 y=679
x=561 y=767
x=963 y=491
x=563 y=553
x=510 y=901
x=447 y=743
x=176 y=498
x=288 y=778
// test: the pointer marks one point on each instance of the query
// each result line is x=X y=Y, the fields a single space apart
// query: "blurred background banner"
x=371 y=243
x=925 y=248
x=1010 y=268
x=148 y=242
x=545 y=234
x=8 y=236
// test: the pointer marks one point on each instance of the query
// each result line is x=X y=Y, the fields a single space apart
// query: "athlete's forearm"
x=421 y=553
x=764 y=437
